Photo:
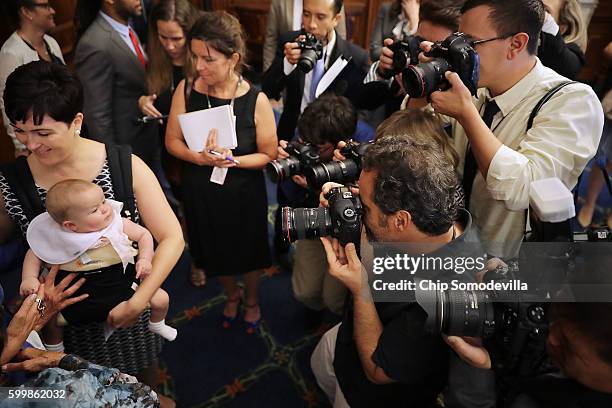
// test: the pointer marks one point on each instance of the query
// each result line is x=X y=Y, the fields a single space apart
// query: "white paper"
x=218 y=175
x=330 y=75
x=196 y=126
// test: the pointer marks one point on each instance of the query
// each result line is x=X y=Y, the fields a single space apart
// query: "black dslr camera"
x=342 y=172
x=405 y=52
x=312 y=50
x=301 y=155
x=513 y=324
x=456 y=53
x=342 y=220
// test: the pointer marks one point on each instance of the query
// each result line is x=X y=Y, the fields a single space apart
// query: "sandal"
x=252 y=326
x=226 y=321
x=197 y=277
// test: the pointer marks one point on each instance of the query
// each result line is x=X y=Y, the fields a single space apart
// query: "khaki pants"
x=312 y=283
x=322 y=364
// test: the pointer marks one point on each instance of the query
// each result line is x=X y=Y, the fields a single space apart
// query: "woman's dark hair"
x=516 y=16
x=85 y=13
x=41 y=88
x=414 y=174
x=223 y=32
x=159 y=71
x=13 y=7
x=330 y=118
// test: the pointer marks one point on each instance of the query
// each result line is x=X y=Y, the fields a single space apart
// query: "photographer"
x=579 y=344
x=287 y=72
x=381 y=354
x=327 y=121
x=500 y=156
x=437 y=20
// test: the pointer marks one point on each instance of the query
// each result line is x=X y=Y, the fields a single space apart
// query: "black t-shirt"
x=415 y=358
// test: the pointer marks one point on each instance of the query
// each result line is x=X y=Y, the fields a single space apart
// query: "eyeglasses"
x=501 y=37
x=46 y=6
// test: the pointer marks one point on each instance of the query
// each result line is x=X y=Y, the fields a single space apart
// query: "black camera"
x=342 y=172
x=513 y=324
x=405 y=52
x=312 y=50
x=301 y=155
x=456 y=53
x=342 y=220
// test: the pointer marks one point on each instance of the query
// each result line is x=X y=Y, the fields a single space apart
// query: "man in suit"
x=284 y=16
x=320 y=18
x=112 y=66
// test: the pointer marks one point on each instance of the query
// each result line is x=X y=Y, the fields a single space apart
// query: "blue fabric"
x=317 y=74
x=364 y=132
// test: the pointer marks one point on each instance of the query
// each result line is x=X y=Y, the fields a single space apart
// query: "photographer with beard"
x=381 y=354
x=499 y=155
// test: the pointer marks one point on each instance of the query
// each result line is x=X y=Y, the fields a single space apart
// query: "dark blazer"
x=113 y=79
x=274 y=80
x=565 y=58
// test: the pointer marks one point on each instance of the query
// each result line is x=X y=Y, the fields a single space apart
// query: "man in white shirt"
x=505 y=156
x=320 y=18
x=111 y=63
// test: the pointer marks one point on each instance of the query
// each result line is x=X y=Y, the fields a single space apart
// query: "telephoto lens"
x=423 y=79
x=342 y=172
x=305 y=223
x=279 y=170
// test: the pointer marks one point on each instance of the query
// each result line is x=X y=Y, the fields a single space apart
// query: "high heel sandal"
x=226 y=321
x=252 y=326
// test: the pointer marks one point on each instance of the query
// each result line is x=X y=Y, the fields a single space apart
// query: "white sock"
x=55 y=347
x=167 y=332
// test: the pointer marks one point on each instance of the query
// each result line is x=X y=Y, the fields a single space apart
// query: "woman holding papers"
x=224 y=192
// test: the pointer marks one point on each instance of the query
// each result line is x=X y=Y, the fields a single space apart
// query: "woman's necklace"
x=233 y=98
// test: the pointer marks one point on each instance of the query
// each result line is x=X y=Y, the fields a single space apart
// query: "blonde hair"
x=419 y=126
x=159 y=72
x=63 y=197
x=573 y=24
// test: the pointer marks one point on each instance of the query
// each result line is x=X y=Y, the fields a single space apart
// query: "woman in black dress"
x=226 y=223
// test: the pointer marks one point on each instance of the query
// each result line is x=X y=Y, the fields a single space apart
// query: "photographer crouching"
x=325 y=122
x=381 y=354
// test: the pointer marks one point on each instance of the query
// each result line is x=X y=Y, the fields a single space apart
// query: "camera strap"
x=532 y=117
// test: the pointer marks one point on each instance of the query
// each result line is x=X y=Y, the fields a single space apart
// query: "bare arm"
x=266 y=137
x=29 y=274
x=141 y=235
x=159 y=219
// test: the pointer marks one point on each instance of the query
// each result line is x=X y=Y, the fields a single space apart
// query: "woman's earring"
x=77 y=132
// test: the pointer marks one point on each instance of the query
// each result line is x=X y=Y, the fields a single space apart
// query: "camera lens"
x=279 y=170
x=307 y=60
x=305 y=223
x=400 y=59
x=466 y=313
x=336 y=171
x=423 y=79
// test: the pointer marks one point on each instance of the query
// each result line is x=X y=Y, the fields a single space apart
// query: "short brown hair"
x=445 y=13
x=223 y=32
x=61 y=197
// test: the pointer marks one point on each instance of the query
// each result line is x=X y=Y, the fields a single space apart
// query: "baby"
x=83 y=232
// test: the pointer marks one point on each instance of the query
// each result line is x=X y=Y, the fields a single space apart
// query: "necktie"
x=317 y=74
x=136 y=44
x=470 y=167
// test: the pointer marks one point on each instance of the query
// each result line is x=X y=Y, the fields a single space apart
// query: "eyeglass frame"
x=501 y=37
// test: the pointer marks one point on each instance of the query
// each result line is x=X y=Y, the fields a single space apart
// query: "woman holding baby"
x=44 y=104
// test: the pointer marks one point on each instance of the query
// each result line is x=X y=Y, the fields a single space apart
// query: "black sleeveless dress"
x=227 y=224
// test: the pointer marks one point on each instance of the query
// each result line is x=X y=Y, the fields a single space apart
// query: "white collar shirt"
x=564 y=137
x=124 y=32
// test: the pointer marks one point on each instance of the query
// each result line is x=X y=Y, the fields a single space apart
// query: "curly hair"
x=329 y=119
x=414 y=174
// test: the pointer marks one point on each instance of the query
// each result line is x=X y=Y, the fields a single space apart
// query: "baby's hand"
x=29 y=286
x=143 y=269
